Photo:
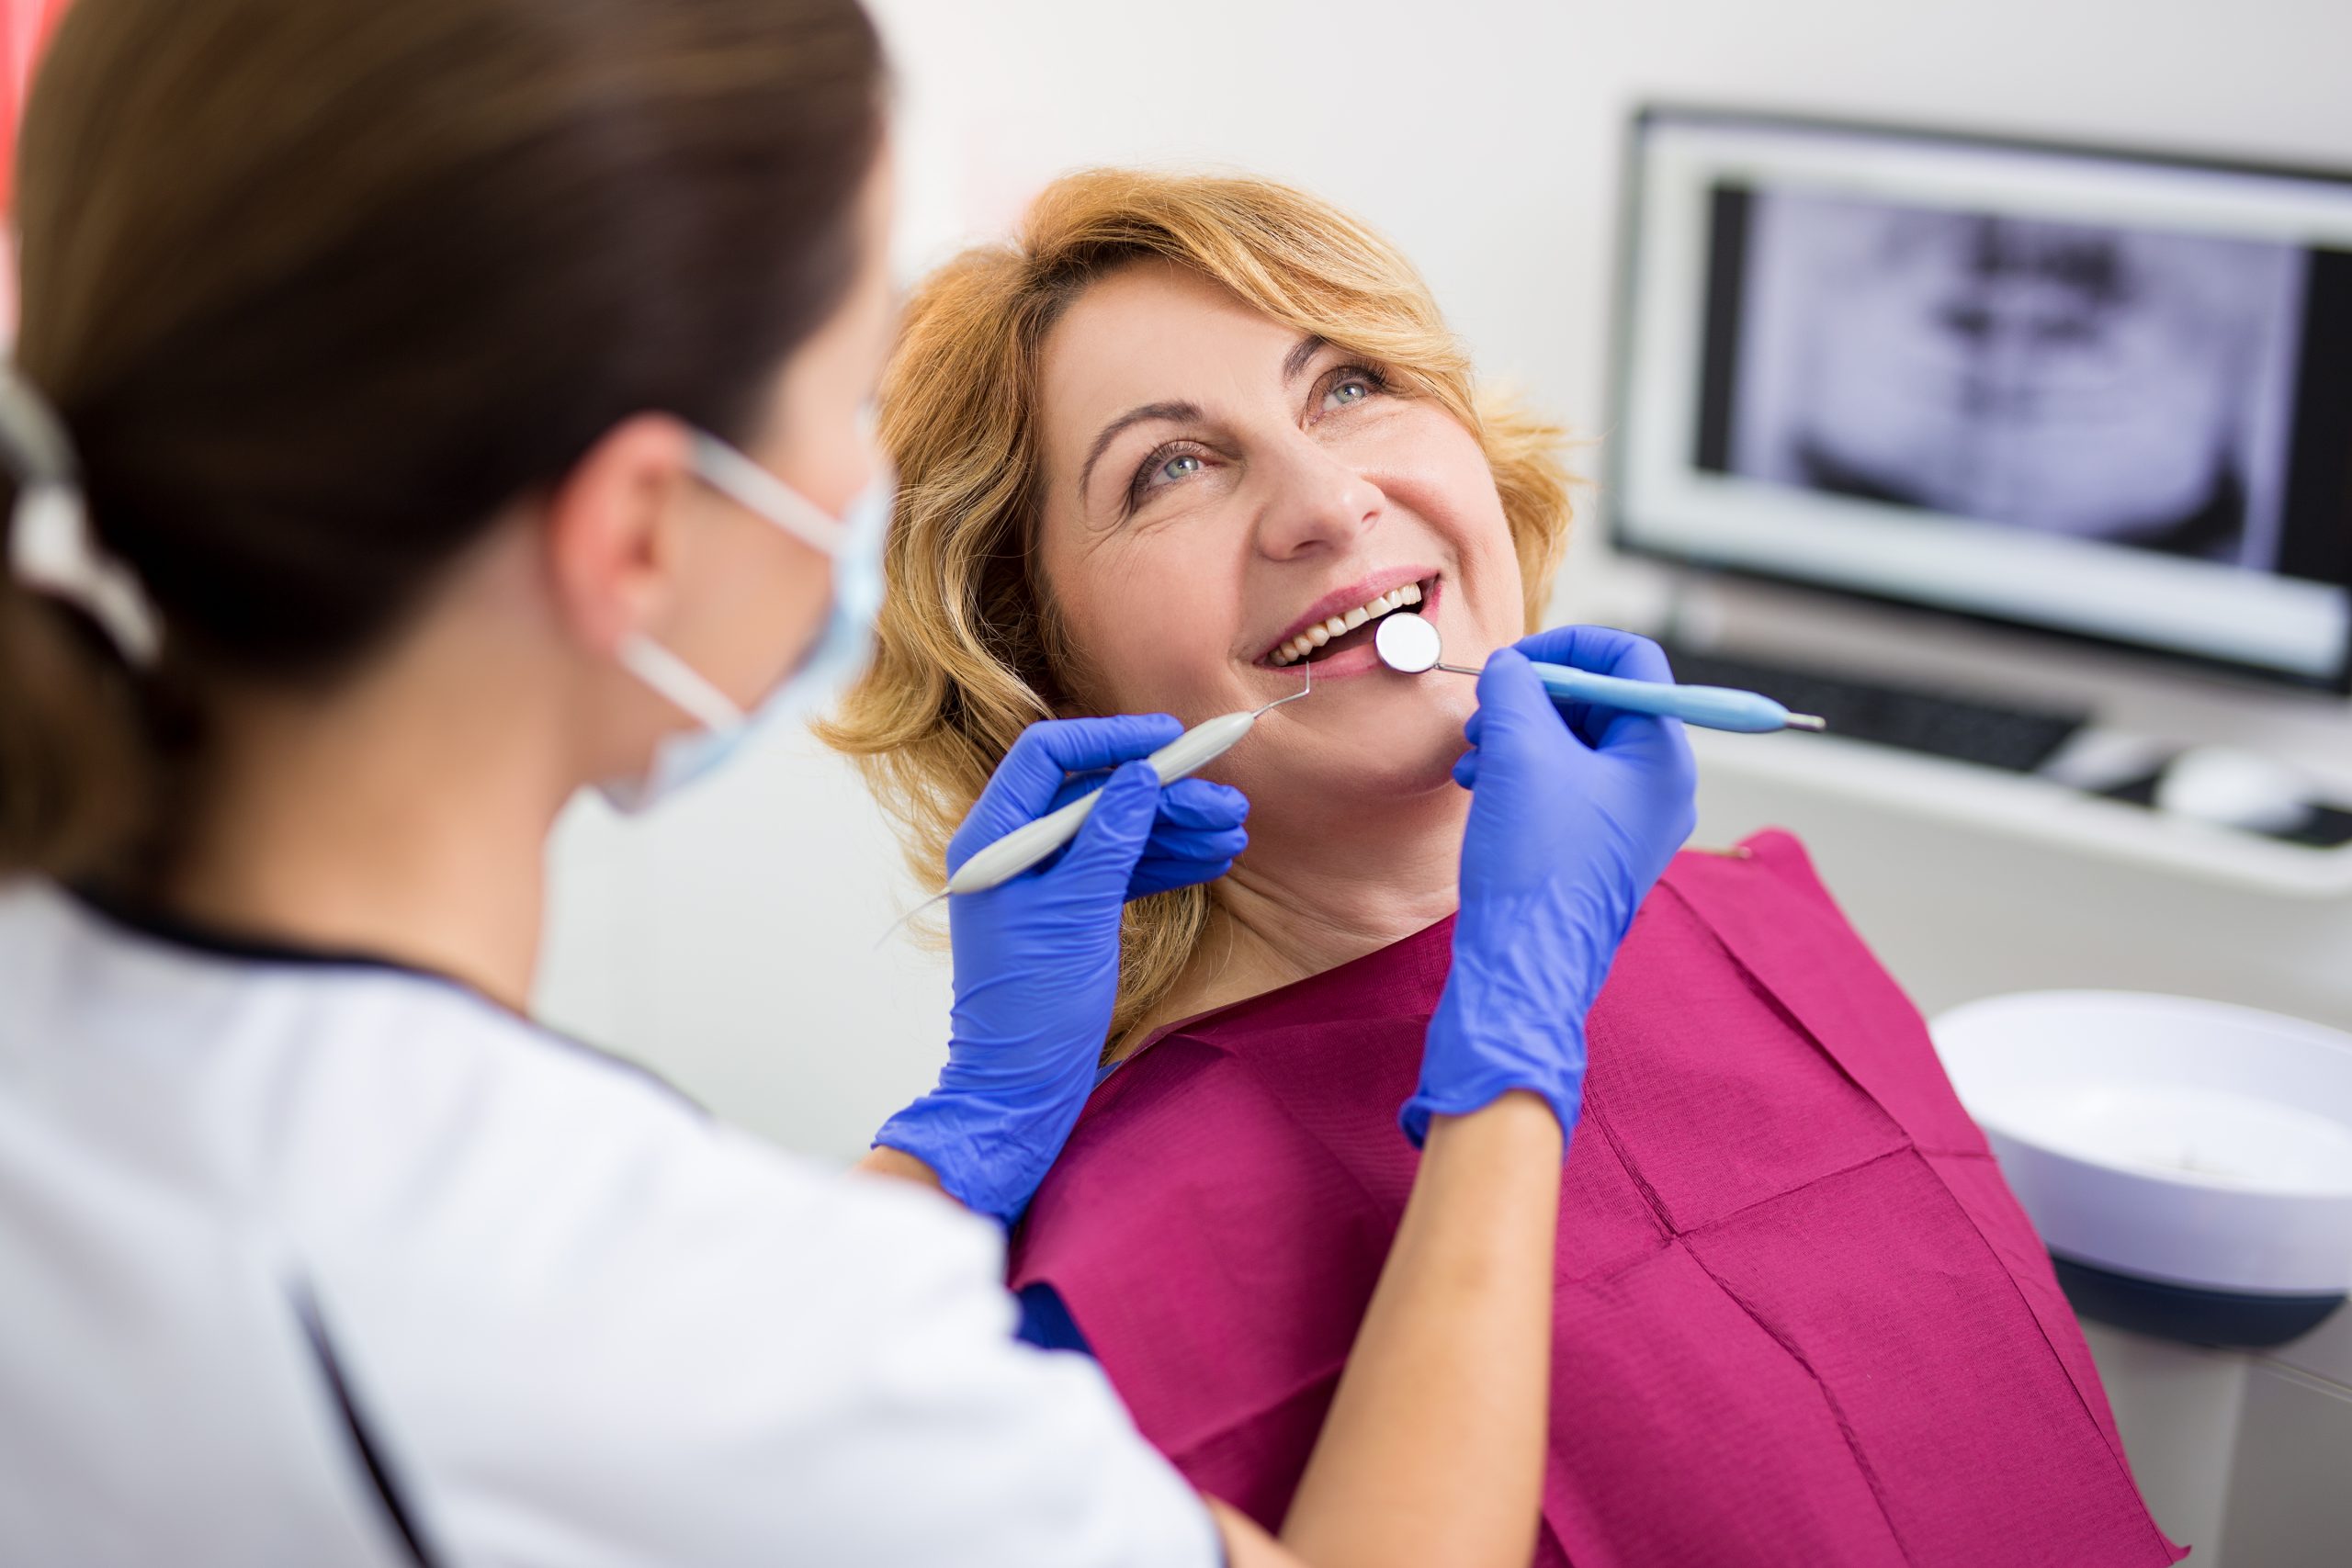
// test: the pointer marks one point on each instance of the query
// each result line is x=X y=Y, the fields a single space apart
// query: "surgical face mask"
x=854 y=541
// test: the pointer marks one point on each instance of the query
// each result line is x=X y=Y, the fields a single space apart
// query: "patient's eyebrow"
x=1172 y=412
x=1300 y=353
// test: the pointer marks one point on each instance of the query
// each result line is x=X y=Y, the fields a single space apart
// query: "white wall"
x=731 y=945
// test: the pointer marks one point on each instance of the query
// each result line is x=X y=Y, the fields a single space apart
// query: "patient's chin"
x=1359 y=766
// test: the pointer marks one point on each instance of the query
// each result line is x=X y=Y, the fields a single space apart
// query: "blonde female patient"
x=1176 y=449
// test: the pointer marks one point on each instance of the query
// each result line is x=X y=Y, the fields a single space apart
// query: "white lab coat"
x=310 y=1260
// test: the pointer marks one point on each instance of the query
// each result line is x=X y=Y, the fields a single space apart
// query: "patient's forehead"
x=1151 y=332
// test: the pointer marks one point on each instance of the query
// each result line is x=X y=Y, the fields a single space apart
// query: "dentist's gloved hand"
x=1575 y=812
x=1037 y=957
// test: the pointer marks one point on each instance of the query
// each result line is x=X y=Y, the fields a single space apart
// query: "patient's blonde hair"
x=968 y=651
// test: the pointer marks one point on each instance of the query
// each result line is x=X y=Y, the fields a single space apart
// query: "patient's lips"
x=1340 y=621
x=1311 y=643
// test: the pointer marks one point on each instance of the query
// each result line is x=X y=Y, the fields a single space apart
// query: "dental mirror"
x=1410 y=646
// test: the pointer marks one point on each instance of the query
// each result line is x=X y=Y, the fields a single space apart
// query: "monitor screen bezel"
x=1615 y=516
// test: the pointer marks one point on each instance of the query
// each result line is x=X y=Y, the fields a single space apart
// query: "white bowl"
x=2170 y=1143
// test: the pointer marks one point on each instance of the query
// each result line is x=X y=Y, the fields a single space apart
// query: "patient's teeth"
x=1322 y=632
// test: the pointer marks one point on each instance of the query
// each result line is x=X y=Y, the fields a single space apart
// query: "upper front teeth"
x=1316 y=637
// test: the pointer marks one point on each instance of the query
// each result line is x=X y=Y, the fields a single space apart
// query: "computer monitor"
x=2100 y=394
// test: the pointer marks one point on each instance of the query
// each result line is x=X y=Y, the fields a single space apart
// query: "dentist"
x=424 y=411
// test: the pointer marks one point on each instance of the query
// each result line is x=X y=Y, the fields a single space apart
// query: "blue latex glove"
x=1576 y=811
x=1195 y=838
x=1037 y=957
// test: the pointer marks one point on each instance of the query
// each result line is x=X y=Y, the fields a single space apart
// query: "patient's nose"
x=1318 y=503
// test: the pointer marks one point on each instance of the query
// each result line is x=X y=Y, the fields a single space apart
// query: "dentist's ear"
x=614 y=530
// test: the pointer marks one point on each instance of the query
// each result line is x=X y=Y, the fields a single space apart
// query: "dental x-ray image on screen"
x=2122 y=385
x=2096 y=393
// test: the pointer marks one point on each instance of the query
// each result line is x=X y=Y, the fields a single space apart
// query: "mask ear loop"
x=746 y=483
x=751 y=486
x=51 y=549
x=679 y=683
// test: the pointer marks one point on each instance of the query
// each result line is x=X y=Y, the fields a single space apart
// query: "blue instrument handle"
x=1716 y=707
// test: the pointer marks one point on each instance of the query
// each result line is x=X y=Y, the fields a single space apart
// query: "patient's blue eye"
x=1351 y=386
x=1164 y=467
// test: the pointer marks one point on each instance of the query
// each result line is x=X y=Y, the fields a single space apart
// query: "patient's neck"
x=1319 y=890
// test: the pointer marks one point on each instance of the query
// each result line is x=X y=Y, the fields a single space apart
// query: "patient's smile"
x=1324 y=632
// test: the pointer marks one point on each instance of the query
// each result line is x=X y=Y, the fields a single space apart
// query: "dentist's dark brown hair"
x=319 y=288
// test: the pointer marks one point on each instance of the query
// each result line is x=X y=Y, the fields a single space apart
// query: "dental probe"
x=1409 y=645
x=1033 y=841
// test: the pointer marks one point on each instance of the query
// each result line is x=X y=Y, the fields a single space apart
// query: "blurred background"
x=2005 y=809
